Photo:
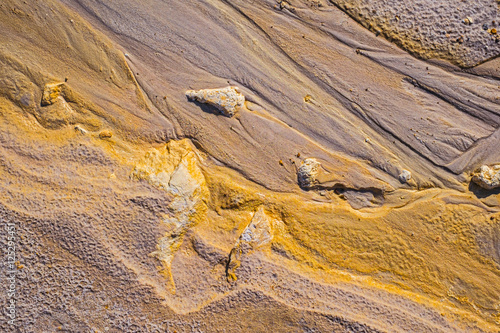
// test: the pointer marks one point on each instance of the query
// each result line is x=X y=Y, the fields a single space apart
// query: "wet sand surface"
x=334 y=194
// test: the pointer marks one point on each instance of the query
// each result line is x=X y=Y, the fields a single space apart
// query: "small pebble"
x=404 y=176
x=106 y=134
x=467 y=21
x=80 y=129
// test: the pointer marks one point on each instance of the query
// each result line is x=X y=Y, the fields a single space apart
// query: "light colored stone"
x=307 y=172
x=405 y=176
x=175 y=170
x=80 y=129
x=487 y=177
x=256 y=235
x=227 y=100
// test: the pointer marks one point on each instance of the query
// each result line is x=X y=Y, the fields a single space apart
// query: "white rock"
x=487 y=177
x=308 y=172
x=227 y=100
x=258 y=232
x=256 y=235
x=404 y=176
x=174 y=169
x=81 y=129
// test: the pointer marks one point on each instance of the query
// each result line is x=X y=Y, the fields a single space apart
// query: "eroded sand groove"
x=333 y=193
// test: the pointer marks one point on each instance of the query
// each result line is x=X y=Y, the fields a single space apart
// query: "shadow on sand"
x=482 y=193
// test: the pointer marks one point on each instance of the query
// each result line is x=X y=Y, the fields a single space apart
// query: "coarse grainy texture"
x=464 y=32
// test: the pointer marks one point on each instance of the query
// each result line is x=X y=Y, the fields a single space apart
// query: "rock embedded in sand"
x=468 y=20
x=175 y=169
x=51 y=93
x=257 y=234
x=80 y=129
x=227 y=100
x=487 y=177
x=106 y=134
x=404 y=176
x=307 y=172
